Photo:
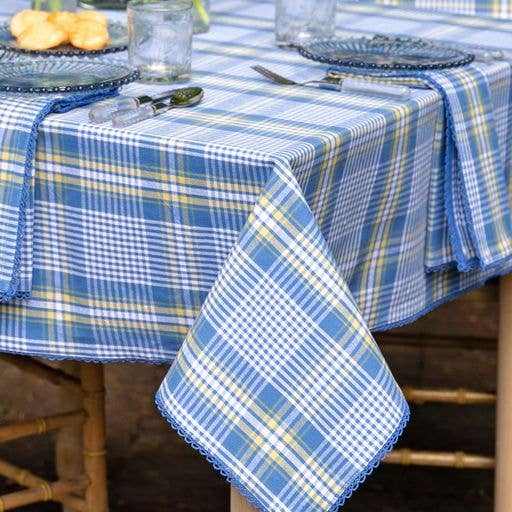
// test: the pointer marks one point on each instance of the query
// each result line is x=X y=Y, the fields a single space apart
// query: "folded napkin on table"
x=20 y=117
x=469 y=205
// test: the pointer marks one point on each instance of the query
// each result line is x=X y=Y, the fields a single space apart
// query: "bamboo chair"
x=460 y=396
x=87 y=490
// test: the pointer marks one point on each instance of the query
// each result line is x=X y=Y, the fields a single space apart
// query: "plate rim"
x=303 y=49
x=131 y=75
x=55 y=52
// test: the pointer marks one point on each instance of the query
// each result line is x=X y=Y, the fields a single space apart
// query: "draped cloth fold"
x=470 y=221
x=476 y=197
x=20 y=117
x=279 y=383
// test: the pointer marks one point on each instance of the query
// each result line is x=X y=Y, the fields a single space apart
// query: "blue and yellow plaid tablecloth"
x=492 y=8
x=254 y=242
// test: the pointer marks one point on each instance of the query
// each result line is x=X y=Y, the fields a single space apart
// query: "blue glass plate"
x=63 y=75
x=118 y=41
x=385 y=54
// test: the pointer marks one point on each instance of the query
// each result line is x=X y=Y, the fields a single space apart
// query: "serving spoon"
x=187 y=97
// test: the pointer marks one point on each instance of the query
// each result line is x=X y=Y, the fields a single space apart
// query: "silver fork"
x=341 y=84
x=326 y=83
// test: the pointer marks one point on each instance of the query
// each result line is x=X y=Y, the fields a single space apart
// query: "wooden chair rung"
x=42 y=371
x=46 y=491
x=41 y=425
x=460 y=460
x=459 y=396
x=83 y=487
x=25 y=478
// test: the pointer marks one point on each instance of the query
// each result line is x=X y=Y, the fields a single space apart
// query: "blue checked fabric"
x=21 y=117
x=295 y=415
x=471 y=194
x=494 y=8
x=476 y=195
x=253 y=242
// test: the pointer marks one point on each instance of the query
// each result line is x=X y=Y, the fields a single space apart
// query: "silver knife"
x=105 y=110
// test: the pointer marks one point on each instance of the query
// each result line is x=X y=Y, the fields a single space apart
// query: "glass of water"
x=160 y=39
x=299 y=21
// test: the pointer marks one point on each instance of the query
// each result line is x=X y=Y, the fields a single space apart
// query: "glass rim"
x=160 y=5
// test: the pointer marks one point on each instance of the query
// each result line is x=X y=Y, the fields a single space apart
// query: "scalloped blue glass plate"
x=118 y=41
x=384 y=54
x=63 y=75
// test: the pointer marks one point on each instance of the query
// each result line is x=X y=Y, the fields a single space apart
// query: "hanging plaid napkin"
x=297 y=409
x=475 y=213
x=20 y=117
x=476 y=197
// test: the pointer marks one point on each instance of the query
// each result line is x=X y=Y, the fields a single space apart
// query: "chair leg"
x=239 y=503
x=95 y=461
x=69 y=462
x=503 y=476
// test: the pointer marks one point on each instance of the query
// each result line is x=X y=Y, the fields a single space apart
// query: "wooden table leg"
x=69 y=461
x=239 y=503
x=503 y=476
x=95 y=460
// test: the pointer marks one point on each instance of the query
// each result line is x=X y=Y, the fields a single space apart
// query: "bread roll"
x=25 y=19
x=92 y=16
x=64 y=20
x=89 y=35
x=42 y=36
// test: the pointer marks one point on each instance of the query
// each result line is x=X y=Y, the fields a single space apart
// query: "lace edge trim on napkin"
x=12 y=289
x=54 y=105
x=462 y=262
x=233 y=480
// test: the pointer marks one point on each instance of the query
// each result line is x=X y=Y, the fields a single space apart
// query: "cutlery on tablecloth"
x=414 y=82
x=187 y=97
x=106 y=109
x=342 y=84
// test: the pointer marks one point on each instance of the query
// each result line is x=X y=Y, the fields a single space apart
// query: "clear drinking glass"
x=299 y=21
x=160 y=39
x=201 y=16
x=54 y=5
